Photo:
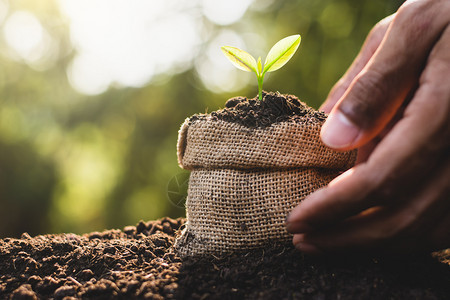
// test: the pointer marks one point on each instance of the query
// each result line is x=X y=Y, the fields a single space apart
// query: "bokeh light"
x=24 y=33
x=29 y=41
x=215 y=70
x=225 y=12
x=125 y=43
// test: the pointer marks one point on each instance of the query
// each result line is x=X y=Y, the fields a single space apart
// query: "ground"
x=139 y=262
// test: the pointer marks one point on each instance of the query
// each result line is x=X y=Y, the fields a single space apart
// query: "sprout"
x=277 y=57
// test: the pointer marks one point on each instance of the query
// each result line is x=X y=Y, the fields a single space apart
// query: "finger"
x=331 y=204
x=401 y=161
x=368 y=49
x=380 y=88
x=403 y=228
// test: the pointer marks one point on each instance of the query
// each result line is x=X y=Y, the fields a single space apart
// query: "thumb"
x=378 y=91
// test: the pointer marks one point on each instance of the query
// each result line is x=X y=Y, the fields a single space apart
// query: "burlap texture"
x=220 y=144
x=245 y=181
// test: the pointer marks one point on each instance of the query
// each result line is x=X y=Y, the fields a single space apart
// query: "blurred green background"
x=92 y=94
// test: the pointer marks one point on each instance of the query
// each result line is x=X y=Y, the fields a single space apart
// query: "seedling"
x=277 y=57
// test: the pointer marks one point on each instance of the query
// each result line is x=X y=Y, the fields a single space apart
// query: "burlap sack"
x=245 y=180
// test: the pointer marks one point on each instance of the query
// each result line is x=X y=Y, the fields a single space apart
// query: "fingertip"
x=298 y=227
x=300 y=216
x=339 y=132
x=294 y=215
x=304 y=246
x=298 y=238
x=308 y=248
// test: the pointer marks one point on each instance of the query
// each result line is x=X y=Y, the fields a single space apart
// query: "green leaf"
x=259 y=67
x=281 y=53
x=240 y=59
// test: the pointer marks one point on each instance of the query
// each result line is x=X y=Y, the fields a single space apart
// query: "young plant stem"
x=260 y=85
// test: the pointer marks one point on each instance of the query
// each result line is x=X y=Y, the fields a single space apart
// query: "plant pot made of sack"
x=251 y=163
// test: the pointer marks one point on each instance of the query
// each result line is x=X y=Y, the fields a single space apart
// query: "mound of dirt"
x=273 y=108
x=138 y=262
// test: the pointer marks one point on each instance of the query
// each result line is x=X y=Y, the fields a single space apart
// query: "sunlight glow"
x=87 y=75
x=215 y=70
x=127 y=43
x=225 y=12
x=29 y=41
x=24 y=33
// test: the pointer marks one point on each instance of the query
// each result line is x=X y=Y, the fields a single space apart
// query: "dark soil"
x=138 y=262
x=273 y=108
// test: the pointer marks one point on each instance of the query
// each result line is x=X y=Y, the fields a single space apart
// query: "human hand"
x=393 y=104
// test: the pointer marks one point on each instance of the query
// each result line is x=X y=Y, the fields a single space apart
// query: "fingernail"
x=298 y=227
x=338 y=131
x=307 y=248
